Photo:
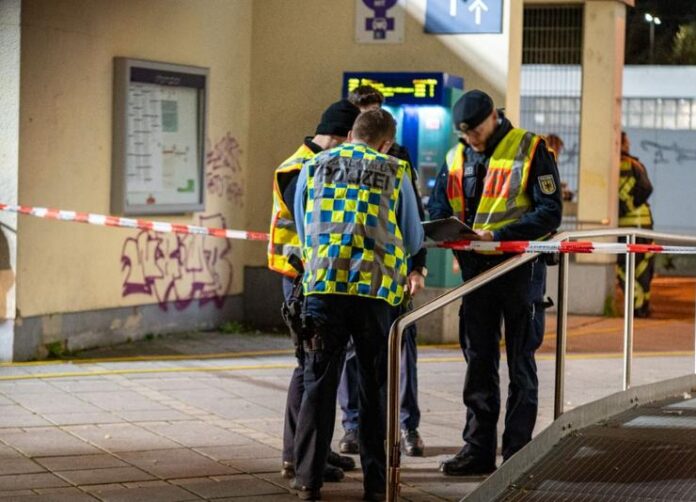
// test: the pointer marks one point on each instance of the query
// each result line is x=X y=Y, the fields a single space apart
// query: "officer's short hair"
x=374 y=126
x=365 y=95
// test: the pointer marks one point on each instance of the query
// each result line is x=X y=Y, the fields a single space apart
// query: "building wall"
x=9 y=159
x=65 y=152
x=300 y=50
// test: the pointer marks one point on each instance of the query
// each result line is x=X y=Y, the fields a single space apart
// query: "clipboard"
x=447 y=229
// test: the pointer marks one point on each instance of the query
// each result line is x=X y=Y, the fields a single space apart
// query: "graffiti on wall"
x=176 y=269
x=181 y=270
x=662 y=152
x=223 y=170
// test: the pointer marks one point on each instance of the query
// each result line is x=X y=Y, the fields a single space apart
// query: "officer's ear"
x=386 y=145
x=350 y=136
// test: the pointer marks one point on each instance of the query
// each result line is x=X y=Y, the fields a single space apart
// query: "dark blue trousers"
x=515 y=300
x=295 y=391
x=337 y=318
x=348 y=388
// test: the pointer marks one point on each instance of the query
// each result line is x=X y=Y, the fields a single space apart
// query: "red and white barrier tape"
x=566 y=247
x=504 y=246
x=117 y=221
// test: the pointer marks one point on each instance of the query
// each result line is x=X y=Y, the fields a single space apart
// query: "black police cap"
x=471 y=109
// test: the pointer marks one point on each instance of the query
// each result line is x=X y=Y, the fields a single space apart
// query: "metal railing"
x=397 y=329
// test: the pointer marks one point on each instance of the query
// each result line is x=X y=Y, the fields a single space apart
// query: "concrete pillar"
x=592 y=277
x=600 y=131
x=514 y=76
x=9 y=167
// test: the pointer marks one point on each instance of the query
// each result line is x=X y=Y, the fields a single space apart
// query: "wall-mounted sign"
x=158 y=138
x=380 y=21
x=464 y=16
x=404 y=88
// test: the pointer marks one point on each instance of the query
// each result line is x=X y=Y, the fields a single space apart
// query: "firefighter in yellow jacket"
x=284 y=243
x=634 y=211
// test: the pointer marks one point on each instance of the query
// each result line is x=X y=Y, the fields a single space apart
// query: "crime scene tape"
x=117 y=221
x=465 y=245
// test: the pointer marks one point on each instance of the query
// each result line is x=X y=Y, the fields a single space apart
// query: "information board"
x=159 y=137
x=407 y=88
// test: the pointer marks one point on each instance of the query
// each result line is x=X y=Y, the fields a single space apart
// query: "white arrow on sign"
x=453 y=8
x=478 y=6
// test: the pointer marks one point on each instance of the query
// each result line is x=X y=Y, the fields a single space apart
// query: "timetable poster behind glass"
x=159 y=137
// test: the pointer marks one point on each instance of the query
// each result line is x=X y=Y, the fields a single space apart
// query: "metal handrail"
x=404 y=321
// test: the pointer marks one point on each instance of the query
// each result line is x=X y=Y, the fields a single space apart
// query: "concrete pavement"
x=199 y=417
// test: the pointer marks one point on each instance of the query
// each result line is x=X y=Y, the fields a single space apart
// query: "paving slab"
x=241 y=485
x=178 y=463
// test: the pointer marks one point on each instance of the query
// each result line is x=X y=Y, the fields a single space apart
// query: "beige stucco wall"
x=301 y=49
x=65 y=142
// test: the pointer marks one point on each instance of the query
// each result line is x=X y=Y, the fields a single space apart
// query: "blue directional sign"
x=464 y=16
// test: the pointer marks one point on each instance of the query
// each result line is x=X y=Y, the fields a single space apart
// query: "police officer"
x=284 y=243
x=503 y=182
x=366 y=98
x=634 y=211
x=358 y=223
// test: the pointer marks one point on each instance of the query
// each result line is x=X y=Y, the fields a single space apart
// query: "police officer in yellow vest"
x=284 y=243
x=634 y=211
x=358 y=223
x=503 y=182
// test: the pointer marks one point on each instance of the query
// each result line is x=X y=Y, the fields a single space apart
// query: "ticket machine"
x=422 y=106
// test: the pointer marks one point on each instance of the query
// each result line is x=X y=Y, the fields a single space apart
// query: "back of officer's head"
x=366 y=98
x=376 y=128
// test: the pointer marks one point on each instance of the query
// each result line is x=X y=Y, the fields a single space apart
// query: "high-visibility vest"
x=504 y=199
x=284 y=240
x=353 y=244
x=640 y=216
x=455 y=178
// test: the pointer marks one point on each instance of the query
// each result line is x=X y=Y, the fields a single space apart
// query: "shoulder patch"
x=547 y=184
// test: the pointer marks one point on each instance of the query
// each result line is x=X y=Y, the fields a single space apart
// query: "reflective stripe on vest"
x=504 y=199
x=353 y=244
x=284 y=241
x=455 y=174
x=640 y=216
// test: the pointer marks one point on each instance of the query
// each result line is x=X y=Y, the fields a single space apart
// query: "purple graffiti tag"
x=223 y=169
x=178 y=269
x=379 y=24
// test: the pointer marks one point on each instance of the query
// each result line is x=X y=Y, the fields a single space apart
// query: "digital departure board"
x=404 y=88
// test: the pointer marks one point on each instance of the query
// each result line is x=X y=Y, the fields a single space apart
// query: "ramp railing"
x=404 y=321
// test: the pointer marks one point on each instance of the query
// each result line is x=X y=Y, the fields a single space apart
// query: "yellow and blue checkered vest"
x=632 y=216
x=353 y=244
x=284 y=240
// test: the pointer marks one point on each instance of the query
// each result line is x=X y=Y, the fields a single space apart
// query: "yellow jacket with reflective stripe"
x=504 y=199
x=284 y=241
x=455 y=178
x=631 y=216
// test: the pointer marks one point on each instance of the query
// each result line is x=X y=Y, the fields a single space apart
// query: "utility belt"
x=302 y=330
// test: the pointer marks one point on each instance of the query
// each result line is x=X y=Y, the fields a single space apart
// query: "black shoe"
x=342 y=461
x=349 y=442
x=304 y=492
x=411 y=443
x=332 y=474
x=641 y=313
x=374 y=496
x=288 y=470
x=465 y=463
